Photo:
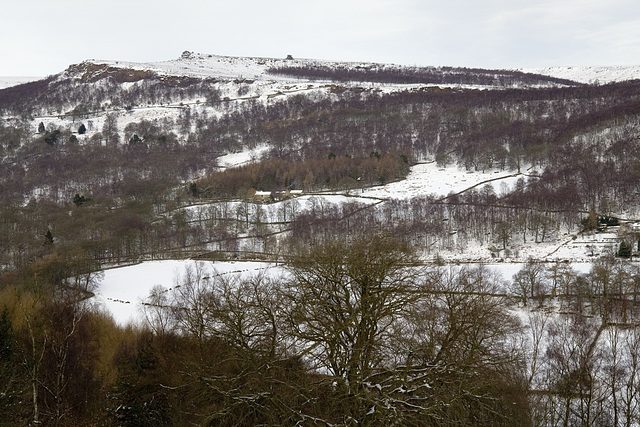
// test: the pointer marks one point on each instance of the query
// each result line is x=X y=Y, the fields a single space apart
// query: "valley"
x=222 y=241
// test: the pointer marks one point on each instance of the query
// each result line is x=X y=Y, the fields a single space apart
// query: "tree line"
x=417 y=75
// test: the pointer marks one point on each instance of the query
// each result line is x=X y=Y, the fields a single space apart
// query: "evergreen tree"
x=48 y=238
x=625 y=249
x=82 y=129
x=79 y=200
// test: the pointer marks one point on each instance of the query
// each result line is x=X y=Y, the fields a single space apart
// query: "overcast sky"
x=43 y=37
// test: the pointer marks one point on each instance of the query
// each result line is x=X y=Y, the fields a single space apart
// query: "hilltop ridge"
x=211 y=66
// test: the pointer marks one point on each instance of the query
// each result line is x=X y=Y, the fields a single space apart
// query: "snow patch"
x=241 y=158
x=431 y=179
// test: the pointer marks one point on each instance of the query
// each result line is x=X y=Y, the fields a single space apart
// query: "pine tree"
x=625 y=249
x=48 y=238
x=79 y=200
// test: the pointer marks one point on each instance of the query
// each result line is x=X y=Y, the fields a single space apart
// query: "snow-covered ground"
x=122 y=290
x=428 y=178
x=229 y=67
x=203 y=65
x=241 y=158
x=424 y=179
x=600 y=75
x=8 y=81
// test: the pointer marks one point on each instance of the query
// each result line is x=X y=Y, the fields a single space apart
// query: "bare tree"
x=242 y=359
x=461 y=330
x=343 y=299
x=194 y=306
x=157 y=311
x=503 y=231
x=530 y=282
x=573 y=359
x=538 y=322
x=630 y=393
x=110 y=129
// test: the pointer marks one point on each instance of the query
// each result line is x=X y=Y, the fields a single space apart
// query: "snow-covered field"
x=428 y=178
x=241 y=158
x=123 y=289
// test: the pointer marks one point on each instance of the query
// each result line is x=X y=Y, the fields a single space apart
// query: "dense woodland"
x=417 y=75
x=358 y=329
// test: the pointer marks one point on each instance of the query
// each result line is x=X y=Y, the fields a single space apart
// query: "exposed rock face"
x=90 y=72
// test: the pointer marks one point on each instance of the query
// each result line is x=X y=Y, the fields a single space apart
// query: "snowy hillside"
x=229 y=67
x=8 y=81
x=589 y=75
x=235 y=79
x=199 y=65
x=205 y=66
x=239 y=82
